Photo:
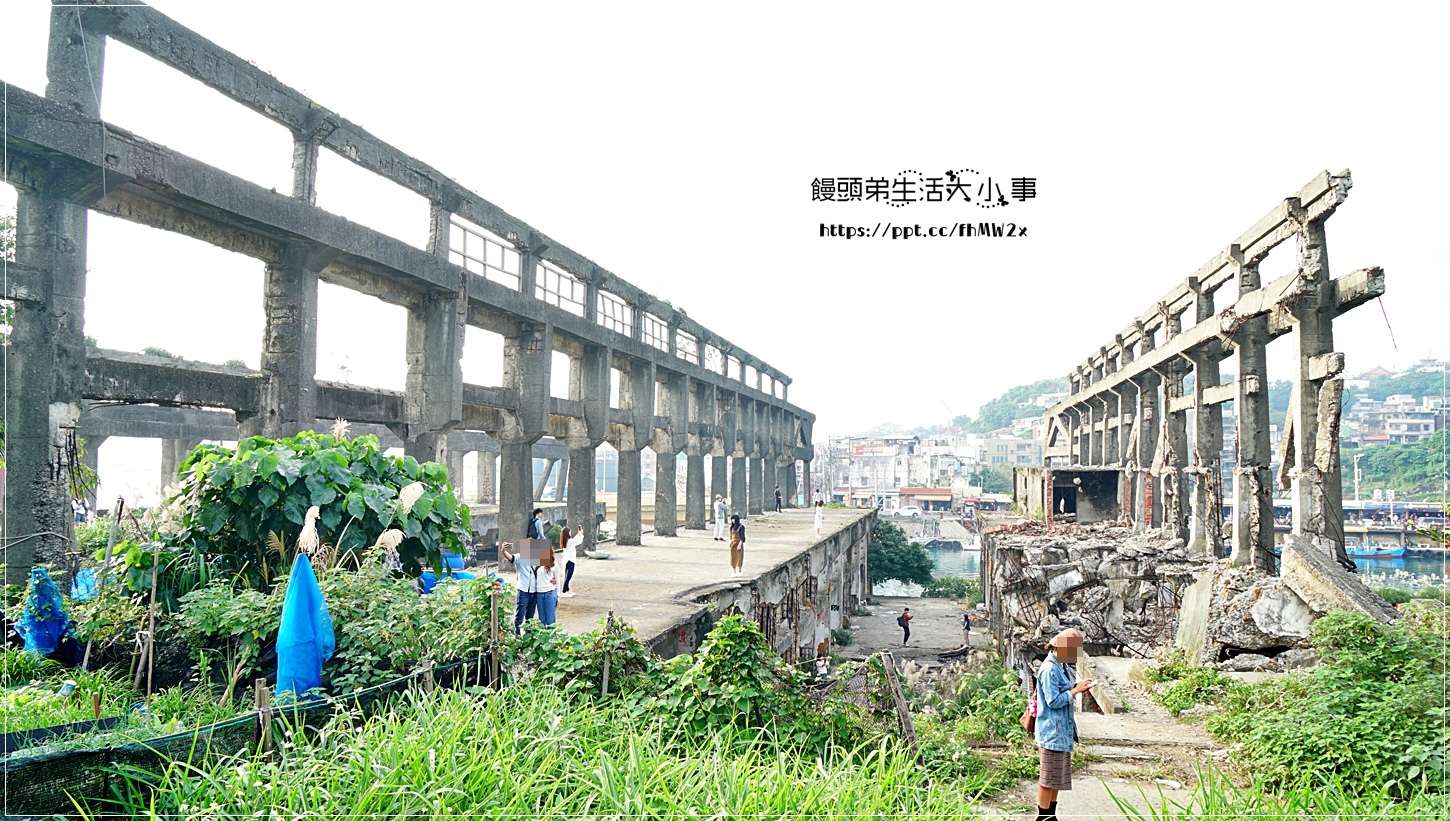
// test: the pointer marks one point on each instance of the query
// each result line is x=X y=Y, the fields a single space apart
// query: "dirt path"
x=1144 y=757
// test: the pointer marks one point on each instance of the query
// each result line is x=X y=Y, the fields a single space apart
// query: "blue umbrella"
x=44 y=620
x=305 y=640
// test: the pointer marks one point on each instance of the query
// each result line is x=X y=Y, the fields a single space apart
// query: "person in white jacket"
x=720 y=513
x=571 y=542
x=820 y=516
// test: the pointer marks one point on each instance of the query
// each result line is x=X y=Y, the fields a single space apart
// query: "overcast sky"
x=675 y=145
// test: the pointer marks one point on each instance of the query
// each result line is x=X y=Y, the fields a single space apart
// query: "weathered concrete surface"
x=1115 y=585
x=654 y=586
x=1325 y=586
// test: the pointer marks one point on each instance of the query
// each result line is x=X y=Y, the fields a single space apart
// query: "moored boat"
x=1375 y=551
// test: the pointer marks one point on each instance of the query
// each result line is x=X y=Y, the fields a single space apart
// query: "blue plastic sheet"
x=84 y=586
x=44 y=621
x=305 y=640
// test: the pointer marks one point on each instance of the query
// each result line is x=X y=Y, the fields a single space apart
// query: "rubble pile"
x=1118 y=586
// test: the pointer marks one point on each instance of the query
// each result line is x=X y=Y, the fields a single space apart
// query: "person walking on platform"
x=905 y=621
x=820 y=517
x=737 y=546
x=778 y=499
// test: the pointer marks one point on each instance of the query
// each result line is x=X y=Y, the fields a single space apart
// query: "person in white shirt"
x=720 y=513
x=572 y=543
x=820 y=516
x=546 y=583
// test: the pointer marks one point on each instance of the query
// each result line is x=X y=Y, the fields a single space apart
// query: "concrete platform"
x=650 y=586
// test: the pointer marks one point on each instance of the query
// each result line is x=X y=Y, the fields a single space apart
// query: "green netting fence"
x=52 y=783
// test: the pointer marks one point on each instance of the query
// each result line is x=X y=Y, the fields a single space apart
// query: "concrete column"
x=695 y=502
x=289 y=349
x=589 y=385
x=719 y=481
x=455 y=471
x=173 y=453
x=666 y=498
x=527 y=362
x=581 y=493
x=757 y=485
x=1253 y=499
x=543 y=481
x=1315 y=485
x=487 y=481
x=44 y=369
x=627 y=518
x=789 y=486
x=1147 y=487
x=1207 y=536
x=1175 y=504
x=637 y=396
x=92 y=460
x=739 y=486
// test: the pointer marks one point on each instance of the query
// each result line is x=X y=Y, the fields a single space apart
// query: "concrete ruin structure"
x=681 y=387
x=1124 y=426
x=1127 y=513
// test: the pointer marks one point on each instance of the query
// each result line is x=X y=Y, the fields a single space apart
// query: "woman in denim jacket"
x=1056 y=727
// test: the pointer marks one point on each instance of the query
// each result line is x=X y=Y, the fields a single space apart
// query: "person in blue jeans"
x=1056 y=730
x=546 y=587
x=527 y=585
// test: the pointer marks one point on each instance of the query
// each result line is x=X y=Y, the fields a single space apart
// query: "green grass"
x=1217 y=797
x=526 y=754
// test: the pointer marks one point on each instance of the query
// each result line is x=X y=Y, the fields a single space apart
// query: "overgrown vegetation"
x=240 y=512
x=1002 y=411
x=531 y=753
x=1415 y=469
x=955 y=587
x=1371 y=718
x=892 y=556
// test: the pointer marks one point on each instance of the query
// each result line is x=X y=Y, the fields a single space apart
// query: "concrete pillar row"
x=1253 y=541
x=739 y=485
x=637 y=395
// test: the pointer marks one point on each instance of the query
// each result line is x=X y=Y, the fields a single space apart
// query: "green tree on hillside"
x=1000 y=412
x=1416 y=469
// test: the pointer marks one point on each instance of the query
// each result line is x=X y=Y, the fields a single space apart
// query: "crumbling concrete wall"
x=1117 y=586
x=797 y=603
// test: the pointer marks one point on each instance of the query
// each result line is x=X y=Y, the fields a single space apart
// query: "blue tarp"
x=84 y=586
x=44 y=620
x=305 y=640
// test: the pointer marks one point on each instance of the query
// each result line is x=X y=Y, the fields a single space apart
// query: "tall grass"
x=527 y=754
x=1216 y=796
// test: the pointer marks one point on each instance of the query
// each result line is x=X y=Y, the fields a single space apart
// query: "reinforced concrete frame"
x=1129 y=403
x=684 y=388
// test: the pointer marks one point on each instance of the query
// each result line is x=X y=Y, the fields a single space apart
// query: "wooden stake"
x=426 y=668
x=902 y=713
x=263 y=697
x=493 y=636
x=151 y=619
x=608 y=628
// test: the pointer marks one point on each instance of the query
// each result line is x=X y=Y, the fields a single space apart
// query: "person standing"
x=572 y=542
x=536 y=524
x=820 y=516
x=546 y=583
x=737 y=546
x=720 y=514
x=528 y=599
x=966 y=629
x=1056 y=726
x=777 y=499
x=905 y=621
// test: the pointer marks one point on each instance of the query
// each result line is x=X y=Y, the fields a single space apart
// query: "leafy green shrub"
x=242 y=510
x=841 y=637
x=1394 y=595
x=1371 y=715
x=1199 y=685
x=1169 y=668
x=955 y=587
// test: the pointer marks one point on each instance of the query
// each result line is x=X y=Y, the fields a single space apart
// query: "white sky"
x=675 y=145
